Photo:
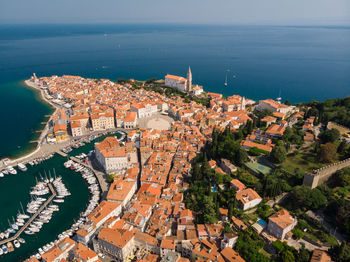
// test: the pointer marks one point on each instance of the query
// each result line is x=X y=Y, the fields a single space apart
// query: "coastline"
x=37 y=150
x=43 y=149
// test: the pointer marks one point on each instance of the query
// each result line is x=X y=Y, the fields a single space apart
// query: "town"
x=198 y=176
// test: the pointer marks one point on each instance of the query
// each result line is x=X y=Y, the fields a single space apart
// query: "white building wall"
x=116 y=163
x=77 y=131
x=279 y=232
x=174 y=83
x=129 y=125
x=252 y=203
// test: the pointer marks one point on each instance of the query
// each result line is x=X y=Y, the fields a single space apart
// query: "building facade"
x=111 y=155
x=281 y=223
x=181 y=83
x=115 y=243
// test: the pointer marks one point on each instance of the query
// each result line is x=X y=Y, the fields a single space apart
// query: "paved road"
x=44 y=149
x=333 y=231
x=297 y=245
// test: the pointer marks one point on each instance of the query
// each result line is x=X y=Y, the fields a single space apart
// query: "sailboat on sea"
x=226 y=78
x=279 y=98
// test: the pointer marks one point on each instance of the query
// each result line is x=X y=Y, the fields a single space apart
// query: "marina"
x=31 y=219
x=70 y=208
x=72 y=166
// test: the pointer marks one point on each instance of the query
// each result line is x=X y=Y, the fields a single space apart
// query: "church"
x=181 y=83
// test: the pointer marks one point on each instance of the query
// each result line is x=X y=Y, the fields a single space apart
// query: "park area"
x=301 y=161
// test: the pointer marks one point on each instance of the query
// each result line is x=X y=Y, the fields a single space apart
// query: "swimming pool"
x=262 y=222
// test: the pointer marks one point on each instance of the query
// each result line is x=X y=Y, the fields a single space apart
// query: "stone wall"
x=319 y=176
x=340 y=128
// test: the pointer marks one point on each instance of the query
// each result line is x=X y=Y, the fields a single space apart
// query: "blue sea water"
x=301 y=63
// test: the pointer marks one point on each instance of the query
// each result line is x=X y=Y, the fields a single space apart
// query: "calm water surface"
x=14 y=189
x=301 y=63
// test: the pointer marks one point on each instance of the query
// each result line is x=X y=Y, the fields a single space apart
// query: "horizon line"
x=343 y=24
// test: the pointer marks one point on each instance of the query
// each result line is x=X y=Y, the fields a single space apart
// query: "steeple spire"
x=189 y=80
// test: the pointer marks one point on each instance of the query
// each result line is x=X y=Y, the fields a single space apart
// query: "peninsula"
x=198 y=176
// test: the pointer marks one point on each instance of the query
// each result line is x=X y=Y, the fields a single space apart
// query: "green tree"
x=297 y=233
x=227 y=228
x=327 y=153
x=343 y=147
x=315 y=199
x=304 y=197
x=341 y=178
x=330 y=135
x=340 y=253
x=248 y=246
x=287 y=256
x=110 y=178
x=303 y=255
x=209 y=209
x=278 y=154
x=241 y=157
x=122 y=80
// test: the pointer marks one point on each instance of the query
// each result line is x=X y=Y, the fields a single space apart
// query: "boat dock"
x=101 y=181
x=32 y=218
x=61 y=153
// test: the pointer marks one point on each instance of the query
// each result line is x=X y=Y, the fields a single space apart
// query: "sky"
x=274 y=12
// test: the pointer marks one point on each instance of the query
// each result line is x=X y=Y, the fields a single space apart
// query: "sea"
x=298 y=63
x=15 y=193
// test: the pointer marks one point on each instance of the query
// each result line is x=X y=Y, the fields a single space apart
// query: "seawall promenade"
x=43 y=148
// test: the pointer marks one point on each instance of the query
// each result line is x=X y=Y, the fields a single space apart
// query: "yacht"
x=14 y=226
x=20 y=224
x=38 y=223
x=23 y=216
x=16 y=243
x=22 y=167
x=11 y=170
x=34 y=229
x=20 y=220
x=21 y=240
x=5 y=171
x=4 y=249
x=39 y=191
x=2 y=174
x=1 y=252
x=32 y=210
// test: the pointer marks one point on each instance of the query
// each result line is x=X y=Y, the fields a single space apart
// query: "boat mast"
x=226 y=77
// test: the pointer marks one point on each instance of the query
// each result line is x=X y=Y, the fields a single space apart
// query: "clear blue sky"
x=280 y=12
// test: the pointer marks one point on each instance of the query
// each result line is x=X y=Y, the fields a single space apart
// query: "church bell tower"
x=189 y=80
